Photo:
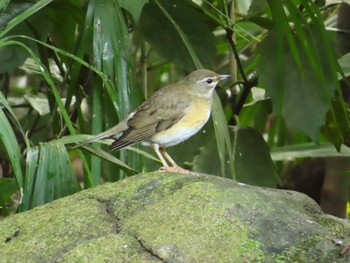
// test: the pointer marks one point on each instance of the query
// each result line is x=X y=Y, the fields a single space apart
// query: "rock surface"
x=159 y=217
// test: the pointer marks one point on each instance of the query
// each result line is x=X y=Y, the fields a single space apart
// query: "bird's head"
x=203 y=82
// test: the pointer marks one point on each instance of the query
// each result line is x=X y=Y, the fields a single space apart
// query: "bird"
x=168 y=117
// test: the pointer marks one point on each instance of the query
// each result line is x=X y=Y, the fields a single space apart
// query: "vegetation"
x=74 y=67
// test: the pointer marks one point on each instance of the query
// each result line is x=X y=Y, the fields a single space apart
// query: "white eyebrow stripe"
x=214 y=78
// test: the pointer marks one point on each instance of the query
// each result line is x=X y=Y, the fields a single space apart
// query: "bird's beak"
x=222 y=77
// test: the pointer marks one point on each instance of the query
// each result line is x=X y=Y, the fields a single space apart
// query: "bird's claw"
x=176 y=169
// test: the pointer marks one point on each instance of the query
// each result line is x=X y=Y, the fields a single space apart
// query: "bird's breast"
x=196 y=116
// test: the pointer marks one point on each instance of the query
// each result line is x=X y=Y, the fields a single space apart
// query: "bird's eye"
x=209 y=81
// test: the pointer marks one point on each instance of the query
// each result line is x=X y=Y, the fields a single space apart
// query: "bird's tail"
x=114 y=132
x=95 y=138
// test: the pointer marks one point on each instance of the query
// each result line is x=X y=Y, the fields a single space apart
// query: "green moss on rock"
x=159 y=217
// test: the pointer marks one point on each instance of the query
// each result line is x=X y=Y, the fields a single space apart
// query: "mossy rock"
x=160 y=217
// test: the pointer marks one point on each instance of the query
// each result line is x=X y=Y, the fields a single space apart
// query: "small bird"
x=168 y=117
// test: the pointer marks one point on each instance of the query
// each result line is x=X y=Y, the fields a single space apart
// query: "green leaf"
x=222 y=137
x=304 y=97
x=344 y=63
x=48 y=79
x=4 y=103
x=30 y=177
x=108 y=157
x=261 y=21
x=112 y=54
x=13 y=56
x=9 y=142
x=133 y=6
x=167 y=25
x=143 y=153
x=25 y=11
x=257 y=7
x=48 y=175
x=65 y=32
x=253 y=163
x=308 y=150
x=208 y=161
x=336 y=128
x=39 y=102
x=97 y=124
x=10 y=11
x=8 y=187
x=73 y=138
x=3 y=5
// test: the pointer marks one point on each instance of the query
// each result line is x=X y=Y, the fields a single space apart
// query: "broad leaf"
x=133 y=6
x=344 y=63
x=8 y=187
x=161 y=34
x=252 y=161
x=303 y=96
x=257 y=7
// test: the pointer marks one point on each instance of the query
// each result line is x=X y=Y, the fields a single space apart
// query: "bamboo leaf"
x=48 y=175
x=113 y=56
x=48 y=79
x=308 y=150
x=105 y=80
x=4 y=103
x=73 y=138
x=30 y=177
x=97 y=124
x=338 y=110
x=108 y=157
x=282 y=33
x=143 y=153
x=27 y=12
x=3 y=5
x=222 y=137
x=14 y=56
x=306 y=75
x=9 y=141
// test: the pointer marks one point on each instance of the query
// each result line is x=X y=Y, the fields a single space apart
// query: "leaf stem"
x=247 y=83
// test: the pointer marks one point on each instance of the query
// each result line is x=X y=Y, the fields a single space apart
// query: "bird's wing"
x=158 y=113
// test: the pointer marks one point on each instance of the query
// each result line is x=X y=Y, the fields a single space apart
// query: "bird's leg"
x=174 y=167
x=160 y=156
x=166 y=168
x=167 y=156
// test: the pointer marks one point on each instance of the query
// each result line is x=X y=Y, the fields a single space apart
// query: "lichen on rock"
x=159 y=217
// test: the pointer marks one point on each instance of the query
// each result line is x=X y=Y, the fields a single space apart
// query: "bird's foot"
x=176 y=169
